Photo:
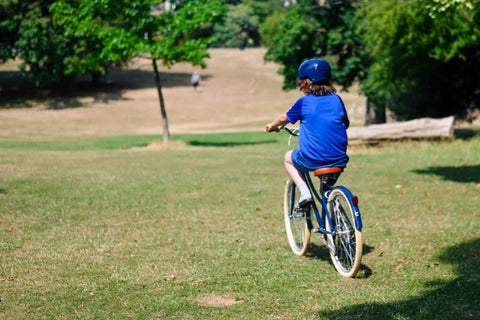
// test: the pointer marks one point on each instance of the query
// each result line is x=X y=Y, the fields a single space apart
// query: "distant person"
x=323 y=126
x=252 y=87
x=195 y=80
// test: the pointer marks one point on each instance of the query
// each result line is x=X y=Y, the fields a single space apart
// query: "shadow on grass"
x=230 y=139
x=137 y=141
x=199 y=143
x=457 y=299
x=465 y=134
x=457 y=174
x=18 y=92
x=322 y=253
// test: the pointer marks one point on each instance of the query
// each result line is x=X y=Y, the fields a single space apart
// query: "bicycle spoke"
x=347 y=252
x=344 y=229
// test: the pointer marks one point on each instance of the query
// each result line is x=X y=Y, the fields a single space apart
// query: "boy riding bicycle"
x=323 y=126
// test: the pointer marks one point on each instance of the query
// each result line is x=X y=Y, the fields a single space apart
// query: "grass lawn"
x=102 y=228
x=95 y=223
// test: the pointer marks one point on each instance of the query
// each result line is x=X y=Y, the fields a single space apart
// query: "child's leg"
x=297 y=178
x=291 y=170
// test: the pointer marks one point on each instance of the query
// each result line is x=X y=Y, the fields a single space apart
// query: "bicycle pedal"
x=304 y=207
x=302 y=210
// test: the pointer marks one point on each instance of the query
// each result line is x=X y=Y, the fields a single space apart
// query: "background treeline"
x=414 y=58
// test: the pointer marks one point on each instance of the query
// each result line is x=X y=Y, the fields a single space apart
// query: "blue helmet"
x=315 y=69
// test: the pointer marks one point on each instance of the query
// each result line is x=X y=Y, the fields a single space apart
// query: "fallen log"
x=424 y=128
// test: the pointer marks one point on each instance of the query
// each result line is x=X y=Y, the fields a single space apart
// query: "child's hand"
x=270 y=128
x=277 y=124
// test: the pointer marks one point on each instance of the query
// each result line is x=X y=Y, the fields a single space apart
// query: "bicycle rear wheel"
x=296 y=226
x=346 y=242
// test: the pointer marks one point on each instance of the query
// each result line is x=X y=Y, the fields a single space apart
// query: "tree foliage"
x=27 y=33
x=65 y=38
x=296 y=39
x=312 y=30
x=97 y=32
x=416 y=58
x=239 y=28
x=108 y=31
x=242 y=23
x=426 y=59
x=270 y=27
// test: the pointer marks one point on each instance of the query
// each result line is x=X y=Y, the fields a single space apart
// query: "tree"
x=58 y=40
x=426 y=56
x=112 y=31
x=168 y=39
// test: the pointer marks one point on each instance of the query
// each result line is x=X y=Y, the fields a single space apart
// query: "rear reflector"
x=355 y=201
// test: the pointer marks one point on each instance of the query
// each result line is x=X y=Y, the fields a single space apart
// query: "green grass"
x=83 y=144
x=96 y=229
x=139 y=141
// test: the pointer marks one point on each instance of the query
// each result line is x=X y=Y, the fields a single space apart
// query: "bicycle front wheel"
x=345 y=243
x=296 y=225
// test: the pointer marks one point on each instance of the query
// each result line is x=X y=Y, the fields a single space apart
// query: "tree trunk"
x=424 y=128
x=166 y=134
x=372 y=114
x=96 y=79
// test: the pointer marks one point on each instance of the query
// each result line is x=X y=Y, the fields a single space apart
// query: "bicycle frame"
x=322 y=199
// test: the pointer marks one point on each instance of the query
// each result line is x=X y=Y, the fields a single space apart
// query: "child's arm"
x=277 y=123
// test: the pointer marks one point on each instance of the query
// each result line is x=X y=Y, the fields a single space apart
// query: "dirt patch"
x=214 y=300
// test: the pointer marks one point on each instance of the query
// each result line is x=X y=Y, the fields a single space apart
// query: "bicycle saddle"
x=323 y=171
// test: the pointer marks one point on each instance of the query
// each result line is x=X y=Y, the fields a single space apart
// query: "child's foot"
x=305 y=196
x=304 y=203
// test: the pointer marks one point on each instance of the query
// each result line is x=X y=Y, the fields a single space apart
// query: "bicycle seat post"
x=328 y=177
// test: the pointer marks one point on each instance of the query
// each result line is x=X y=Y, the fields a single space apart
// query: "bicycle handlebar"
x=290 y=131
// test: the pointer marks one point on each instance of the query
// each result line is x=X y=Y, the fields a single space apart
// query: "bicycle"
x=338 y=221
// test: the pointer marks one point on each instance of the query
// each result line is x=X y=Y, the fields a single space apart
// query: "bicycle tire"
x=296 y=226
x=346 y=245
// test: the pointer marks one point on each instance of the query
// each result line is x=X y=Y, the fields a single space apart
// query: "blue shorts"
x=304 y=164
